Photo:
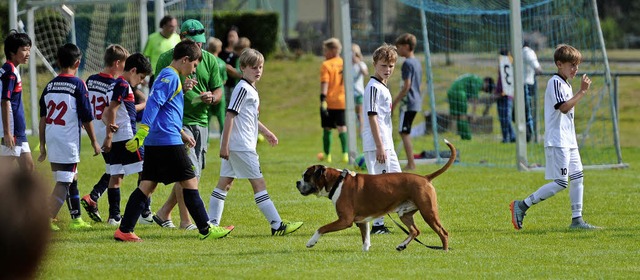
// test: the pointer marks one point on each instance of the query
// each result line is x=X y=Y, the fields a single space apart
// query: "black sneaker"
x=380 y=230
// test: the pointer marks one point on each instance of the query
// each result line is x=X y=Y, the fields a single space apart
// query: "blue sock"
x=196 y=208
x=73 y=200
x=132 y=210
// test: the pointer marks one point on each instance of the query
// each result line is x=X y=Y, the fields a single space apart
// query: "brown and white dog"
x=360 y=198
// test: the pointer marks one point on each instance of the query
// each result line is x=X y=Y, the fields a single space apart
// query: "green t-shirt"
x=223 y=69
x=468 y=85
x=208 y=76
x=157 y=45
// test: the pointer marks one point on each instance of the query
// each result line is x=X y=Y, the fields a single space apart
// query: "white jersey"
x=245 y=103
x=560 y=129
x=358 y=78
x=122 y=93
x=98 y=85
x=377 y=101
x=64 y=105
x=530 y=65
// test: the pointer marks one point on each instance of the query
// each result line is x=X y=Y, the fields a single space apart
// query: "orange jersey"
x=331 y=73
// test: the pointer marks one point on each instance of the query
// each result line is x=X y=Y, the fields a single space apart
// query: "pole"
x=518 y=86
x=347 y=75
x=430 y=89
x=158 y=12
x=607 y=80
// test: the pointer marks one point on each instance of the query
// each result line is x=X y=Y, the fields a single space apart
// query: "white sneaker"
x=114 y=222
x=148 y=220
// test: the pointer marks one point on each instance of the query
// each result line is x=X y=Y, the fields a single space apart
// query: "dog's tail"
x=452 y=158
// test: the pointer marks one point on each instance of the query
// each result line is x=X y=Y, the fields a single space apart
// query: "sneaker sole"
x=91 y=214
x=514 y=221
x=230 y=228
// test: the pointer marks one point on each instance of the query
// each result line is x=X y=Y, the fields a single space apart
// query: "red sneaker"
x=126 y=237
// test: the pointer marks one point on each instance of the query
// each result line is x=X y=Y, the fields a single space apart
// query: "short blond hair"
x=356 y=51
x=250 y=57
x=566 y=53
x=243 y=43
x=386 y=53
x=332 y=44
x=214 y=45
x=114 y=53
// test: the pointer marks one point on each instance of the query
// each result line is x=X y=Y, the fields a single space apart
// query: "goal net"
x=92 y=26
x=465 y=38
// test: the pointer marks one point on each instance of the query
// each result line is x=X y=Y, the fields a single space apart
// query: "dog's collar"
x=335 y=185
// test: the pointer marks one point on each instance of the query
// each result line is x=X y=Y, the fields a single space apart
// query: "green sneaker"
x=216 y=232
x=286 y=228
x=54 y=227
x=79 y=224
x=345 y=157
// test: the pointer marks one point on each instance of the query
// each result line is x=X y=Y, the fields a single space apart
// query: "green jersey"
x=223 y=69
x=208 y=77
x=157 y=45
x=467 y=86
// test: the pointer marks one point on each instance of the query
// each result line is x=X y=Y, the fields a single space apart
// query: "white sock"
x=546 y=191
x=216 y=206
x=575 y=194
x=268 y=209
x=378 y=222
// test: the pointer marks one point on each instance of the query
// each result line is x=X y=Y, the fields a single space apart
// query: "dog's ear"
x=319 y=172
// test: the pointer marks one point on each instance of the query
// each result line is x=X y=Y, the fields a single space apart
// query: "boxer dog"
x=360 y=198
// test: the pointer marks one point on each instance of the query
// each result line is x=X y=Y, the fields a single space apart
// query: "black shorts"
x=406 y=119
x=167 y=164
x=333 y=119
x=120 y=155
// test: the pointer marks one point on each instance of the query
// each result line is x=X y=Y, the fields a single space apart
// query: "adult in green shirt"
x=161 y=41
x=464 y=88
x=214 y=46
x=197 y=101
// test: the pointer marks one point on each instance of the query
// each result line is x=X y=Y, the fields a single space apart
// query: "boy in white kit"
x=563 y=163
x=377 y=135
x=238 y=147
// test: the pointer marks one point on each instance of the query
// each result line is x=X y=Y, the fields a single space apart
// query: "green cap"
x=193 y=30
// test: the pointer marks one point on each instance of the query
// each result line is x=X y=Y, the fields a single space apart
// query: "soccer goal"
x=465 y=37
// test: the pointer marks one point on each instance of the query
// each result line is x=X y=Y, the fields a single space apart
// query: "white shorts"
x=241 y=165
x=391 y=165
x=16 y=151
x=561 y=162
x=64 y=172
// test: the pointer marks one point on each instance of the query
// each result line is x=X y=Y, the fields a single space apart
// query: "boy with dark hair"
x=98 y=85
x=563 y=162
x=64 y=107
x=14 y=145
x=195 y=122
x=166 y=159
x=121 y=115
x=410 y=97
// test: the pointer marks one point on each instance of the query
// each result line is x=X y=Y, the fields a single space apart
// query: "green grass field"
x=473 y=203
